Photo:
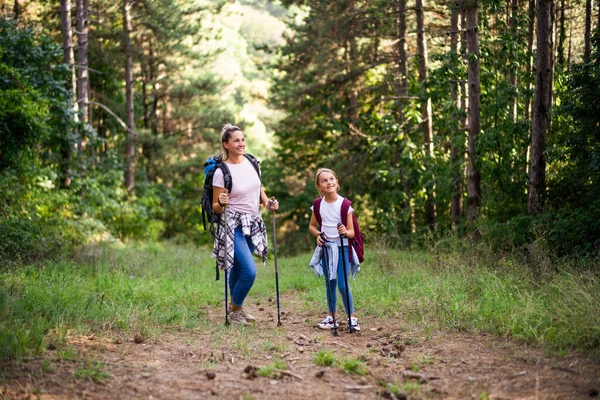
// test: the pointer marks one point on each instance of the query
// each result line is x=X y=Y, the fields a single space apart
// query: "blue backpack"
x=210 y=166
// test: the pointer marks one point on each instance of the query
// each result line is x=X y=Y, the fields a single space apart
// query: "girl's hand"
x=341 y=229
x=273 y=204
x=321 y=239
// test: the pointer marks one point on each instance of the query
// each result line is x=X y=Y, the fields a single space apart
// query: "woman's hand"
x=223 y=198
x=273 y=204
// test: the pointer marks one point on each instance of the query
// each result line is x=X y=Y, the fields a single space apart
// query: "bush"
x=33 y=239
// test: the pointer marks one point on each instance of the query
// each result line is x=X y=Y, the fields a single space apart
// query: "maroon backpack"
x=357 y=241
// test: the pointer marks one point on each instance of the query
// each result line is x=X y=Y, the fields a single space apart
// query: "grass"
x=325 y=358
x=149 y=288
x=273 y=370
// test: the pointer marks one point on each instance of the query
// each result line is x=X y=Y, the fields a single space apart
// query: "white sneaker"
x=355 y=325
x=327 y=323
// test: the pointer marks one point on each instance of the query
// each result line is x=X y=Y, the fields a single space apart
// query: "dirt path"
x=222 y=363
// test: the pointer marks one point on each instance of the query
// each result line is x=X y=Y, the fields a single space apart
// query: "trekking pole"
x=225 y=265
x=350 y=329
x=276 y=270
x=328 y=287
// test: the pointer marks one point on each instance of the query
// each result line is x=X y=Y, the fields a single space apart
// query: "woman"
x=245 y=231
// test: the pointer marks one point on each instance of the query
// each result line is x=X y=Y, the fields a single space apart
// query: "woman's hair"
x=226 y=132
x=319 y=172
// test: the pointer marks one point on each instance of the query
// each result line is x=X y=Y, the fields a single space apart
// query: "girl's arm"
x=347 y=230
x=314 y=230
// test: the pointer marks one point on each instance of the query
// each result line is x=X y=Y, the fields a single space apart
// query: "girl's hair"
x=319 y=172
x=226 y=132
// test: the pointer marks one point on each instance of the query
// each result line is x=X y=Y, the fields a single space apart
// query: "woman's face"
x=327 y=183
x=236 y=143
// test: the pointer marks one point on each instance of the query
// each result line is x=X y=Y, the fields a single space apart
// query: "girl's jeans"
x=243 y=272
x=339 y=282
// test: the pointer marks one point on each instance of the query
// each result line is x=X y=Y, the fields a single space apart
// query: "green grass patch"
x=149 y=288
x=325 y=358
x=273 y=370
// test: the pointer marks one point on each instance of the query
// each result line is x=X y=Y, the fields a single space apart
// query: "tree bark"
x=69 y=59
x=430 y=212
x=530 y=34
x=587 y=52
x=541 y=108
x=474 y=119
x=129 y=105
x=456 y=150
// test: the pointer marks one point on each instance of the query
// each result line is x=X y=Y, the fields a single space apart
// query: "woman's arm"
x=272 y=205
x=220 y=199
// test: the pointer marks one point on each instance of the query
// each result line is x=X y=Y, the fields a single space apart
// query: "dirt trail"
x=222 y=363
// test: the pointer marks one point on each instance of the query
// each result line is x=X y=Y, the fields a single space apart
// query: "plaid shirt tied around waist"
x=252 y=225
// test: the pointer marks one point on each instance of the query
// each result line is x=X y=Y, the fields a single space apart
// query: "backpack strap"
x=344 y=216
x=226 y=175
x=254 y=161
x=317 y=210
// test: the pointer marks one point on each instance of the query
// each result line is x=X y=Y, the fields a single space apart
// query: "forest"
x=474 y=120
x=465 y=131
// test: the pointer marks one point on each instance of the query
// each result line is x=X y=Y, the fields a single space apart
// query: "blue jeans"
x=330 y=285
x=243 y=272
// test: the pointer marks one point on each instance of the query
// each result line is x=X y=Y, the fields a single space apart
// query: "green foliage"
x=325 y=358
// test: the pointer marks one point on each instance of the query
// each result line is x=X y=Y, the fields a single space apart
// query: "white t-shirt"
x=330 y=216
x=245 y=187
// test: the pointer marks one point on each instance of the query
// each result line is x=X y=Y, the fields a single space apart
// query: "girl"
x=326 y=212
x=245 y=232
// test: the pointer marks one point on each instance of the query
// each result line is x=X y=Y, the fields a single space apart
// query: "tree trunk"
x=530 y=34
x=69 y=59
x=456 y=149
x=562 y=35
x=402 y=91
x=513 y=69
x=16 y=12
x=129 y=105
x=82 y=79
x=402 y=80
x=474 y=121
x=541 y=108
x=425 y=113
x=587 y=52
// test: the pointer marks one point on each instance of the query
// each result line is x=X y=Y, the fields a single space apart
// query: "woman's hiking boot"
x=248 y=317
x=237 y=317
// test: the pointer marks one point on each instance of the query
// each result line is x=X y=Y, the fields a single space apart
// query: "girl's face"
x=327 y=183
x=236 y=143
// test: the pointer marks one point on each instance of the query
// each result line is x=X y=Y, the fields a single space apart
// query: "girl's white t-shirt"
x=330 y=216
x=245 y=188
